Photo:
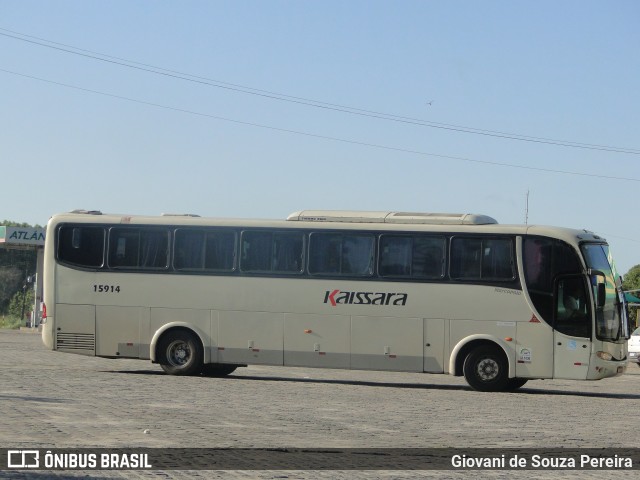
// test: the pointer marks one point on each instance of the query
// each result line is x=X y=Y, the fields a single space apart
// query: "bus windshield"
x=609 y=317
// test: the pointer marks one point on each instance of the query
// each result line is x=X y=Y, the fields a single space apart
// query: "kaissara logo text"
x=338 y=297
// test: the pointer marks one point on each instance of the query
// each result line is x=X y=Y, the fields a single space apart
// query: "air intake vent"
x=75 y=341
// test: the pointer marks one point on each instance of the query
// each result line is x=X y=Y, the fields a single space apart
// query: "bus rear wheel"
x=515 y=383
x=217 y=369
x=180 y=353
x=485 y=369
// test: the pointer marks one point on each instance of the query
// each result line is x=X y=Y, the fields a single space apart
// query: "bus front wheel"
x=486 y=369
x=180 y=353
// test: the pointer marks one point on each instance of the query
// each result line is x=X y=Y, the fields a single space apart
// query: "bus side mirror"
x=602 y=295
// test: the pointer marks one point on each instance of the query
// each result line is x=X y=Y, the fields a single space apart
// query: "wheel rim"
x=488 y=369
x=179 y=353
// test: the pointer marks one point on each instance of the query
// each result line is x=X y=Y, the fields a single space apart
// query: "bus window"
x=572 y=313
x=482 y=259
x=138 y=248
x=278 y=252
x=406 y=256
x=81 y=246
x=545 y=259
x=287 y=252
x=341 y=254
x=204 y=250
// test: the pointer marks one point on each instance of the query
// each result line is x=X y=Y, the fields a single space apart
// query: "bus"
x=395 y=291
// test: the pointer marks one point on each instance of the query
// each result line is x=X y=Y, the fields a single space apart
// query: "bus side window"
x=341 y=254
x=138 y=248
x=497 y=260
x=256 y=252
x=123 y=247
x=395 y=256
x=278 y=252
x=287 y=252
x=412 y=256
x=204 y=250
x=466 y=258
x=325 y=252
x=428 y=259
x=357 y=254
x=220 y=251
x=572 y=314
x=188 y=249
x=483 y=259
x=82 y=246
x=154 y=249
x=545 y=259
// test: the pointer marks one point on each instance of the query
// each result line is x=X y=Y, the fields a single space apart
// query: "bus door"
x=572 y=328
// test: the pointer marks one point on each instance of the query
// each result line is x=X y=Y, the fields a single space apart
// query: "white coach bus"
x=412 y=292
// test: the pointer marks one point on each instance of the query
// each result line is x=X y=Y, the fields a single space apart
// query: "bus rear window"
x=81 y=246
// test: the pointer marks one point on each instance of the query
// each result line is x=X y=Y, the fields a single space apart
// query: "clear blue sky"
x=566 y=71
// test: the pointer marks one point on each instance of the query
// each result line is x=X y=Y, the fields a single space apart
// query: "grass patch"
x=9 y=321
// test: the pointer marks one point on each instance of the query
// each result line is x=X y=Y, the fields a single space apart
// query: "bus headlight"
x=604 y=356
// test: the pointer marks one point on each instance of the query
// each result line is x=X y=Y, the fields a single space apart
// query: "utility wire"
x=606 y=235
x=324 y=137
x=305 y=101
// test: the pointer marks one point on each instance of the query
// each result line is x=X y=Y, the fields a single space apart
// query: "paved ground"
x=54 y=400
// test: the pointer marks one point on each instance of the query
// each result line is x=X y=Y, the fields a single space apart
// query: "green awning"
x=631 y=299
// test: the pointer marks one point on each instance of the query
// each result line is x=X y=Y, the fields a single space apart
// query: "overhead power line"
x=325 y=137
x=306 y=101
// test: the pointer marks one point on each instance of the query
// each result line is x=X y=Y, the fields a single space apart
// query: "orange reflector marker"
x=508 y=339
x=534 y=319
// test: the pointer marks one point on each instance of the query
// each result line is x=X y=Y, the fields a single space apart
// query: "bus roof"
x=342 y=219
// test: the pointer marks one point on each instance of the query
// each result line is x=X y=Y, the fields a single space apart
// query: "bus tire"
x=217 y=369
x=180 y=353
x=486 y=370
x=516 y=383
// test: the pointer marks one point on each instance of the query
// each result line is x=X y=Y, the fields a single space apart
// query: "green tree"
x=10 y=278
x=631 y=281
x=22 y=303
x=15 y=267
x=10 y=223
